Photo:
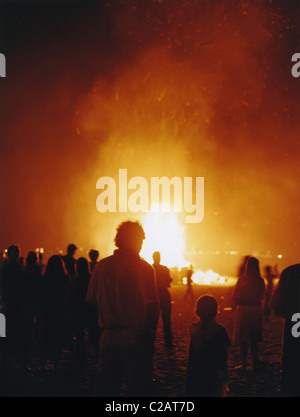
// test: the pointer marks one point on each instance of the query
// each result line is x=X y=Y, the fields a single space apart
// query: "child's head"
x=206 y=308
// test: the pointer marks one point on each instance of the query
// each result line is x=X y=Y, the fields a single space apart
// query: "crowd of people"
x=117 y=301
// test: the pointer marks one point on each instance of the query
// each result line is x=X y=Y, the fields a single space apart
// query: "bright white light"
x=165 y=234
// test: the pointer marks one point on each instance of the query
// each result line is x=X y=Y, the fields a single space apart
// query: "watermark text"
x=2 y=325
x=161 y=194
x=2 y=65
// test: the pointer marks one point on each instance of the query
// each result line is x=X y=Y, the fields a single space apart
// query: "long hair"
x=252 y=270
x=82 y=267
x=250 y=285
x=55 y=277
x=31 y=260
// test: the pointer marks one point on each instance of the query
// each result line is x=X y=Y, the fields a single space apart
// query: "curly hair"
x=129 y=233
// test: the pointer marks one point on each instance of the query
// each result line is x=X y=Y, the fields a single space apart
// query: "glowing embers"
x=165 y=234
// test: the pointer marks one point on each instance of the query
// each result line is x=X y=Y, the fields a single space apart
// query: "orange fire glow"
x=207 y=278
x=165 y=234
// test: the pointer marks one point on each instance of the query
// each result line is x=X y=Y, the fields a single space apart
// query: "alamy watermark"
x=296 y=327
x=296 y=67
x=2 y=325
x=2 y=65
x=160 y=195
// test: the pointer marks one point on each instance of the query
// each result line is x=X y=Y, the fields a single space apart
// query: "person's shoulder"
x=195 y=328
x=103 y=263
x=162 y=269
x=165 y=268
x=292 y=269
x=220 y=328
x=146 y=266
x=5 y=265
x=222 y=332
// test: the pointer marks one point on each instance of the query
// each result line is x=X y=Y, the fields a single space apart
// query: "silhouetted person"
x=40 y=263
x=93 y=255
x=2 y=260
x=11 y=296
x=54 y=310
x=286 y=302
x=208 y=353
x=85 y=314
x=70 y=264
x=248 y=295
x=10 y=305
x=242 y=266
x=123 y=286
x=189 y=285
x=163 y=280
x=21 y=262
x=69 y=260
x=269 y=276
x=31 y=293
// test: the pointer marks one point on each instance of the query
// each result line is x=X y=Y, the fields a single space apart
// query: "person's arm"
x=169 y=279
x=224 y=344
x=150 y=298
x=91 y=291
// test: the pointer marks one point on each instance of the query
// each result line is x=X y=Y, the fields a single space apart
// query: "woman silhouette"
x=248 y=294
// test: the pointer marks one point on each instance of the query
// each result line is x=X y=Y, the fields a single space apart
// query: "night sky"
x=161 y=87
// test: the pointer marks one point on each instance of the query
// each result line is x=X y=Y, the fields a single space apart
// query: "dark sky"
x=165 y=87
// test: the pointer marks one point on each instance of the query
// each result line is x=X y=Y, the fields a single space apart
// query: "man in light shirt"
x=124 y=288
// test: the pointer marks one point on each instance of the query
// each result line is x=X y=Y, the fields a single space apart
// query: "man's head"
x=13 y=253
x=156 y=257
x=71 y=249
x=130 y=235
x=94 y=255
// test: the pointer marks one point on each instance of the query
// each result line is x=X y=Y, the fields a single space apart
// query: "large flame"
x=207 y=278
x=165 y=234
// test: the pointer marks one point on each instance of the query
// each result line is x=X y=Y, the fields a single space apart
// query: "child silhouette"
x=207 y=362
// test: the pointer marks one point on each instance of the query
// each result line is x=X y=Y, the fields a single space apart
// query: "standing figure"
x=10 y=306
x=11 y=298
x=2 y=259
x=54 y=311
x=31 y=292
x=85 y=315
x=269 y=290
x=94 y=255
x=248 y=295
x=70 y=265
x=207 y=373
x=70 y=261
x=124 y=290
x=286 y=304
x=163 y=280
x=189 y=283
